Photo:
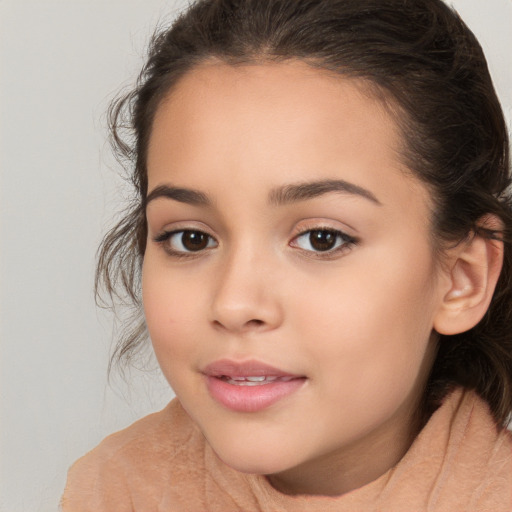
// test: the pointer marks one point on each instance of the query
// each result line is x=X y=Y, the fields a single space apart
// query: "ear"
x=473 y=272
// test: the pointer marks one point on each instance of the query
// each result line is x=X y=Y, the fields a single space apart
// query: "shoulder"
x=485 y=453
x=475 y=463
x=461 y=460
x=163 y=434
x=135 y=463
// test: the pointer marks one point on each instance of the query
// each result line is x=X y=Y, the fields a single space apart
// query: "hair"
x=418 y=55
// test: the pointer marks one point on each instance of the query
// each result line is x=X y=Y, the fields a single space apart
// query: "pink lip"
x=249 y=398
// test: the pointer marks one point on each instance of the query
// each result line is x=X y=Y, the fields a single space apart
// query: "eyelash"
x=344 y=242
x=165 y=238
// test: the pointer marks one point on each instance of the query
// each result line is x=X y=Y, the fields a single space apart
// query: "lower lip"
x=251 y=398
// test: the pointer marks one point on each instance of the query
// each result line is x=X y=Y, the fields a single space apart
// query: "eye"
x=323 y=240
x=185 y=241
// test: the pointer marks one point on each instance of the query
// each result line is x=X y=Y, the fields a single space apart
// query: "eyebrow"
x=309 y=190
x=182 y=195
x=277 y=197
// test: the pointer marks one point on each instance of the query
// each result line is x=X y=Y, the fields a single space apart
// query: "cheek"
x=171 y=306
x=368 y=352
x=372 y=321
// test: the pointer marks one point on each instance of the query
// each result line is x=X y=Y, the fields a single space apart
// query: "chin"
x=254 y=467
x=253 y=459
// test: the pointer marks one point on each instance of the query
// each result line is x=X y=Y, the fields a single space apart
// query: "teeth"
x=255 y=380
x=251 y=379
x=244 y=383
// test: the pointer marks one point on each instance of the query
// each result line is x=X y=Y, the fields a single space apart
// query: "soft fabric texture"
x=459 y=462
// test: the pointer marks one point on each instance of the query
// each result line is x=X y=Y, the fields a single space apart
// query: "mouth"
x=249 y=386
x=254 y=380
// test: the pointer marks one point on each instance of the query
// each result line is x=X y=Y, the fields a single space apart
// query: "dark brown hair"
x=422 y=58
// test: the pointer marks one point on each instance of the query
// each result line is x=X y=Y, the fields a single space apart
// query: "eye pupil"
x=322 y=240
x=194 y=240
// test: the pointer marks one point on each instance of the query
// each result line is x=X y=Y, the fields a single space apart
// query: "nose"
x=245 y=298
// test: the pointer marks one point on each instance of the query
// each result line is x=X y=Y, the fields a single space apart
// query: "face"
x=289 y=284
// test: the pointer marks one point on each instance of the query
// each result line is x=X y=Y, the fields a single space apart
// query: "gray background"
x=60 y=62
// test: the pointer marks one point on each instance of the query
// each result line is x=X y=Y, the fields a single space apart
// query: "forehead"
x=274 y=123
x=293 y=98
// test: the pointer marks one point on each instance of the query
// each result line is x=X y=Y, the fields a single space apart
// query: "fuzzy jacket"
x=459 y=462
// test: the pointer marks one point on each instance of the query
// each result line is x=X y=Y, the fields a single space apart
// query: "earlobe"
x=474 y=272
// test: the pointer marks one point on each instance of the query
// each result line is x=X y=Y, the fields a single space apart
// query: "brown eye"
x=322 y=240
x=194 y=240
x=185 y=241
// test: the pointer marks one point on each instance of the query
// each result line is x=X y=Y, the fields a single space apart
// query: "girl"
x=321 y=234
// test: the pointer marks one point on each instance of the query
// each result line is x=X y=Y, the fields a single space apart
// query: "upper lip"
x=229 y=368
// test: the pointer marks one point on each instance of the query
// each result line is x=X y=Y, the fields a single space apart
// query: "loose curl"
x=425 y=64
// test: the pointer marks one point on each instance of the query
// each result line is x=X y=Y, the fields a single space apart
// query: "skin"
x=356 y=322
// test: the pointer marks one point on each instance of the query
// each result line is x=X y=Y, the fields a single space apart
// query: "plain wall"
x=60 y=62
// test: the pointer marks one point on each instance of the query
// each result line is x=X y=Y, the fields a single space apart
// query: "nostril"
x=250 y=324
x=255 y=323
